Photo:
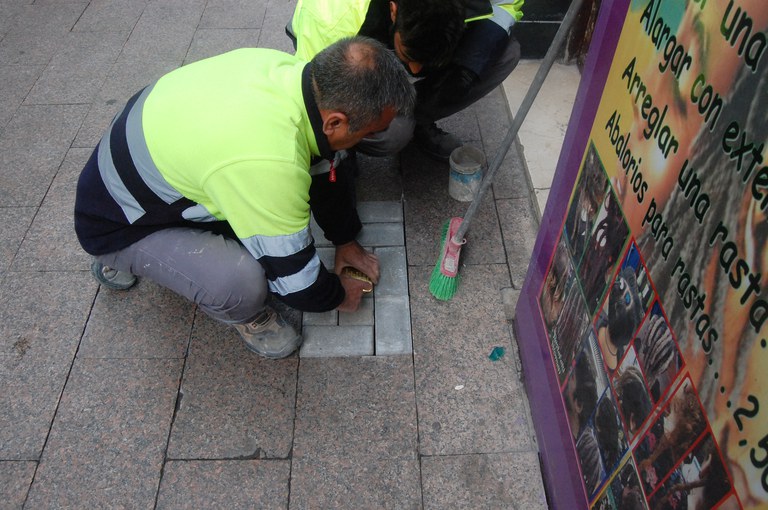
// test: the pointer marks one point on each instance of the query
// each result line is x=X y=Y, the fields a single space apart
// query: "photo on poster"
x=634 y=401
x=610 y=433
x=633 y=259
x=667 y=441
x=590 y=462
x=700 y=481
x=585 y=382
x=625 y=488
x=620 y=317
x=603 y=251
x=658 y=353
x=570 y=330
x=560 y=278
x=588 y=196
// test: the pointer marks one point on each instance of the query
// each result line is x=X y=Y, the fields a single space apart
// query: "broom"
x=445 y=276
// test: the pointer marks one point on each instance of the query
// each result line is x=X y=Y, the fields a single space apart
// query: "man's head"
x=426 y=32
x=359 y=86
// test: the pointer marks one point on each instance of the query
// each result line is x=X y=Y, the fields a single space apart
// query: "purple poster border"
x=562 y=478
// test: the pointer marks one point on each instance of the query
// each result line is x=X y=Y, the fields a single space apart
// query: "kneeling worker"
x=202 y=183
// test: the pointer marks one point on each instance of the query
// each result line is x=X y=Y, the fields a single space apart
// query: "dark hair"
x=586 y=389
x=633 y=397
x=360 y=77
x=607 y=427
x=429 y=29
x=589 y=458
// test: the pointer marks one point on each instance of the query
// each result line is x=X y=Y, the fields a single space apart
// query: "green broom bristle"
x=443 y=287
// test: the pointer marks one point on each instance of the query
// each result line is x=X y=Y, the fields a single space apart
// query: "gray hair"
x=360 y=77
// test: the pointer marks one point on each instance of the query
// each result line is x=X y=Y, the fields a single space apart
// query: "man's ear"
x=392 y=11
x=333 y=121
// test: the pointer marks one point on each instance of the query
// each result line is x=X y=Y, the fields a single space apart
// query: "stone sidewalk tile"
x=40 y=326
x=12 y=230
x=467 y=403
x=233 y=404
x=107 y=443
x=496 y=480
x=15 y=85
x=350 y=406
x=333 y=341
x=208 y=42
x=146 y=321
x=78 y=69
x=15 y=478
x=233 y=14
x=116 y=15
x=37 y=31
x=393 y=325
x=225 y=484
x=354 y=482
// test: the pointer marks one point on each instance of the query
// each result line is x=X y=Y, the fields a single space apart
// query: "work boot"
x=112 y=278
x=434 y=141
x=269 y=335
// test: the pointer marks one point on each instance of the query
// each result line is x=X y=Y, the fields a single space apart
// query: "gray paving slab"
x=393 y=326
x=349 y=406
x=15 y=478
x=37 y=31
x=467 y=403
x=501 y=480
x=147 y=321
x=78 y=69
x=117 y=15
x=17 y=221
x=333 y=341
x=232 y=404
x=214 y=41
x=15 y=81
x=352 y=482
x=107 y=443
x=233 y=14
x=225 y=484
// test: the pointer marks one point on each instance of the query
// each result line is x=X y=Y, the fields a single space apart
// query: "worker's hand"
x=354 y=290
x=352 y=254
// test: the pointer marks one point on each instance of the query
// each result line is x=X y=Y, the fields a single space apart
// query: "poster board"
x=643 y=320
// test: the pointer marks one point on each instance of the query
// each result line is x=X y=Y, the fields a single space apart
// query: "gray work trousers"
x=213 y=271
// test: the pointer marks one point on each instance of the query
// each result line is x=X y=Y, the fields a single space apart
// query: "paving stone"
x=32 y=146
x=15 y=478
x=12 y=230
x=232 y=14
x=78 y=69
x=50 y=244
x=321 y=319
x=225 y=484
x=107 y=443
x=353 y=406
x=380 y=212
x=503 y=480
x=382 y=234
x=150 y=321
x=331 y=341
x=211 y=42
x=117 y=15
x=393 y=280
x=355 y=481
x=233 y=404
x=393 y=325
x=15 y=81
x=164 y=31
x=363 y=316
x=37 y=32
x=467 y=403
